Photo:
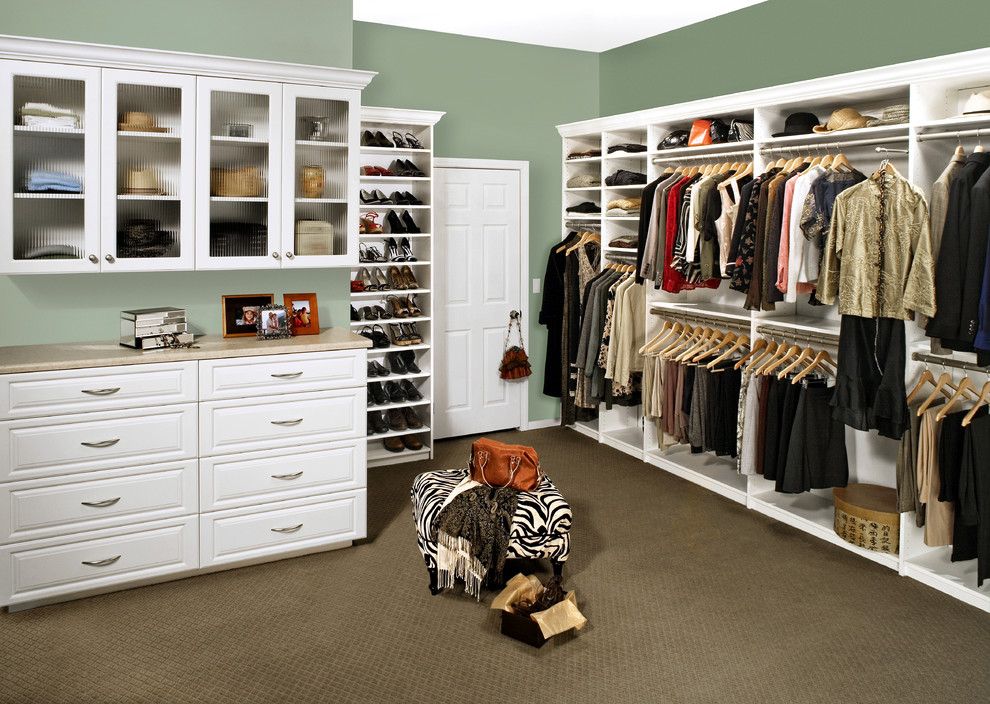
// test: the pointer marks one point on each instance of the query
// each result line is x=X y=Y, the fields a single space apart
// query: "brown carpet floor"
x=690 y=598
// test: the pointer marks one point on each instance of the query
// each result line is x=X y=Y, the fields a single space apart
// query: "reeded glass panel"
x=321 y=177
x=48 y=168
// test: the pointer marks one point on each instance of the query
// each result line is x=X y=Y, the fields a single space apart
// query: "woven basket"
x=245 y=182
x=866 y=516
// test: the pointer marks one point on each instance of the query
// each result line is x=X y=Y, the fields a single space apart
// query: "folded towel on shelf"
x=40 y=180
x=45 y=115
x=620 y=213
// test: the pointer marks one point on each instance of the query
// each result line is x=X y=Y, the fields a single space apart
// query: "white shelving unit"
x=420 y=124
x=935 y=90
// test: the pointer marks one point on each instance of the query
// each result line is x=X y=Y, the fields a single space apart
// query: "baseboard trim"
x=537 y=424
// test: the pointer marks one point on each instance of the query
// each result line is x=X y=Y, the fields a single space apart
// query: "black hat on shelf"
x=798 y=123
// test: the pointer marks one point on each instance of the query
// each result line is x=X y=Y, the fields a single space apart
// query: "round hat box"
x=866 y=516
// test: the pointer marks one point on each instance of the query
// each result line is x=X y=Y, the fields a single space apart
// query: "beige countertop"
x=79 y=355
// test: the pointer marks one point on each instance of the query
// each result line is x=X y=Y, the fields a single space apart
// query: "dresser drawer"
x=280 y=374
x=47 y=568
x=40 y=508
x=103 y=389
x=65 y=444
x=241 y=534
x=281 y=421
x=231 y=481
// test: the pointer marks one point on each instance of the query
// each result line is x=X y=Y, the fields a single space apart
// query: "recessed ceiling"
x=587 y=25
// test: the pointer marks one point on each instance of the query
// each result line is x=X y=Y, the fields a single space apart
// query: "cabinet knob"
x=110 y=258
x=93 y=258
x=276 y=255
x=289 y=255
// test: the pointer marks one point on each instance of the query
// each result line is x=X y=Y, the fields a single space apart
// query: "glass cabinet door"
x=148 y=171
x=319 y=224
x=49 y=185
x=238 y=174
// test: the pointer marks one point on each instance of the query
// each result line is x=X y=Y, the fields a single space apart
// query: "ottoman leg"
x=434 y=589
x=558 y=567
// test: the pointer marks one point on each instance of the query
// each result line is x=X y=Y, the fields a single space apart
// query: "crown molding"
x=410 y=117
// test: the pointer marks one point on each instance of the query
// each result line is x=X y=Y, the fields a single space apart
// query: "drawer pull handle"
x=102 y=443
x=297 y=421
x=101 y=392
x=290 y=529
x=291 y=375
x=101 y=563
x=287 y=476
x=101 y=504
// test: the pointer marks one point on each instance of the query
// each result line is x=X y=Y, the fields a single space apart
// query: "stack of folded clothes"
x=584 y=181
x=632 y=148
x=585 y=154
x=625 y=242
x=625 y=178
x=624 y=207
x=40 y=115
x=40 y=180
x=585 y=207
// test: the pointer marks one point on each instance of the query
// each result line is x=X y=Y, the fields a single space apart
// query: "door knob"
x=110 y=258
x=289 y=255
x=93 y=258
x=276 y=255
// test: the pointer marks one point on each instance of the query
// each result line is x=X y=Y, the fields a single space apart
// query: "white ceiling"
x=588 y=25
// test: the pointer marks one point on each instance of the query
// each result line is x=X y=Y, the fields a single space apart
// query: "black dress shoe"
x=394 y=360
x=377 y=392
x=379 y=369
x=396 y=394
x=376 y=423
x=412 y=200
x=409 y=357
x=399 y=198
x=396 y=419
x=371 y=370
x=354 y=314
x=412 y=393
x=412 y=169
x=382 y=141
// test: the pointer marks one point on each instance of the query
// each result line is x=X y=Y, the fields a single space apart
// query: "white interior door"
x=478 y=278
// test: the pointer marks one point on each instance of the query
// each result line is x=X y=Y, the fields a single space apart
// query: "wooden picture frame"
x=305 y=315
x=274 y=323
x=233 y=307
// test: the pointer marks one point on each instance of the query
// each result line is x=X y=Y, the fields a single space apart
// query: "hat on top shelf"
x=977 y=103
x=139 y=122
x=892 y=115
x=843 y=119
x=142 y=182
x=798 y=123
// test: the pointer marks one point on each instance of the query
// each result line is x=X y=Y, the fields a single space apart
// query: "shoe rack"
x=394 y=277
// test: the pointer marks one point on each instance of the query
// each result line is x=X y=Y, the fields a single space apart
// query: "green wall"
x=780 y=41
x=502 y=101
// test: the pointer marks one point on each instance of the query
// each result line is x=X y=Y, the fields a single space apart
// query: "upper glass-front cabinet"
x=148 y=198
x=49 y=178
x=319 y=226
x=238 y=174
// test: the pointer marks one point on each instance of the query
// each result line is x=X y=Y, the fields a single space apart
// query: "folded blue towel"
x=42 y=180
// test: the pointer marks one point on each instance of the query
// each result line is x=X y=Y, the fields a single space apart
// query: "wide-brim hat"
x=139 y=122
x=142 y=182
x=892 y=115
x=843 y=119
x=798 y=123
x=977 y=103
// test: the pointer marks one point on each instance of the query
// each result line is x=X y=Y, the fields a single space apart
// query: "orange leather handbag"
x=497 y=464
x=700 y=133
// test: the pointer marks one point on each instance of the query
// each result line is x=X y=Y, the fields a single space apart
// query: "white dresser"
x=120 y=467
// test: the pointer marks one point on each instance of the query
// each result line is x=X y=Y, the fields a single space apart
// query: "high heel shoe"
x=396 y=276
x=394 y=360
x=399 y=310
x=381 y=140
x=370 y=222
x=368 y=139
x=378 y=336
x=395 y=392
x=368 y=198
x=398 y=334
x=354 y=314
x=410 y=304
x=365 y=278
x=409 y=358
x=393 y=250
x=407 y=255
x=374 y=255
x=382 y=281
x=368 y=313
x=394 y=225
x=408 y=223
x=408 y=279
x=412 y=142
x=411 y=169
x=412 y=334
x=377 y=367
x=411 y=199
x=381 y=313
x=397 y=138
x=398 y=167
x=399 y=198
x=362 y=252
x=382 y=198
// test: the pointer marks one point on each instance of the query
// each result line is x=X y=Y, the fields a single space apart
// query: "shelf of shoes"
x=396 y=215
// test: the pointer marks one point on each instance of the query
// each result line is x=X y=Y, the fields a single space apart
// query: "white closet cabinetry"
x=936 y=91
x=50 y=180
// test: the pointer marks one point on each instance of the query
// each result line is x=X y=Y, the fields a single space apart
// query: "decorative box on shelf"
x=150 y=328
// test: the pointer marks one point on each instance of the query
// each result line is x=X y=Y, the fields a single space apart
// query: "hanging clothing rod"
x=622 y=257
x=706 y=320
x=948 y=362
x=583 y=226
x=822 y=338
x=832 y=145
x=881 y=150
x=959 y=134
x=710 y=155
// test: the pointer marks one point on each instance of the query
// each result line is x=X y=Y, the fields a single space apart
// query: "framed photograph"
x=274 y=322
x=241 y=313
x=302 y=308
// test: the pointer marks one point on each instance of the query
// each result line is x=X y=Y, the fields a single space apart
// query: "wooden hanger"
x=888 y=168
x=669 y=352
x=767 y=361
x=741 y=341
x=944 y=381
x=962 y=390
x=926 y=378
x=760 y=344
x=841 y=162
x=683 y=330
x=822 y=360
x=805 y=354
x=984 y=397
x=563 y=245
x=979 y=148
x=665 y=330
x=699 y=344
x=768 y=351
x=827 y=161
x=779 y=359
x=960 y=151
x=717 y=342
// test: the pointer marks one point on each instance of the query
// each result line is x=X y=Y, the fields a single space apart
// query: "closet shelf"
x=379 y=456
x=741 y=148
x=248 y=141
x=380 y=294
x=399 y=404
x=393 y=150
x=397 y=433
x=842 y=139
x=63 y=196
x=715 y=310
x=389 y=179
x=583 y=190
x=629 y=440
x=582 y=160
x=716 y=474
x=395 y=377
x=365 y=323
x=149 y=136
x=950 y=126
x=136 y=197
x=319 y=144
x=936 y=569
x=393 y=348
x=321 y=200
x=67 y=132
x=802 y=323
x=386 y=235
x=634 y=187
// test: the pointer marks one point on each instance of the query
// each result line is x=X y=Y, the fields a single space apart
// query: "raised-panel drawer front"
x=102 y=389
x=40 y=508
x=231 y=481
x=280 y=374
x=281 y=421
x=242 y=534
x=65 y=444
x=47 y=568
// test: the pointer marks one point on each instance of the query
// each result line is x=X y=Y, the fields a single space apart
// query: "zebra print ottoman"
x=540 y=528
